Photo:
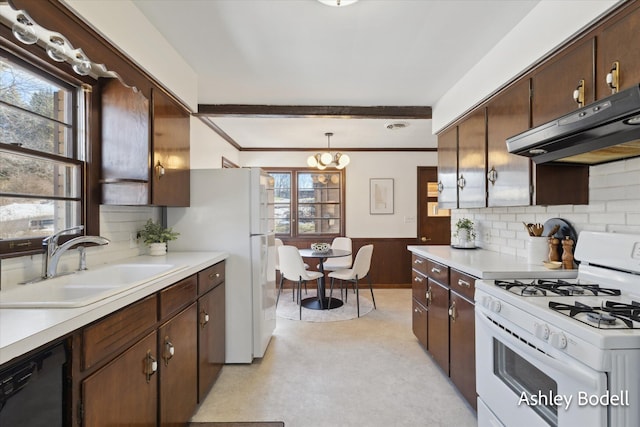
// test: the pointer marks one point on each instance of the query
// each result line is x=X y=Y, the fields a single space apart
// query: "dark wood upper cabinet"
x=170 y=166
x=448 y=169
x=145 y=148
x=618 y=41
x=508 y=174
x=555 y=81
x=472 y=160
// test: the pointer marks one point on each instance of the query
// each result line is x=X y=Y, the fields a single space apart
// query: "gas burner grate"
x=603 y=317
x=562 y=287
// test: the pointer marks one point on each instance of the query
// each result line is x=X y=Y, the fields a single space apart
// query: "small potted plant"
x=157 y=236
x=465 y=232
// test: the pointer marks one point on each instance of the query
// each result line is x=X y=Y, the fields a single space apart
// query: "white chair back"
x=278 y=244
x=363 y=261
x=291 y=264
x=338 y=263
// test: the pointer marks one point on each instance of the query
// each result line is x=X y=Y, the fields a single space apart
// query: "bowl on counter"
x=552 y=265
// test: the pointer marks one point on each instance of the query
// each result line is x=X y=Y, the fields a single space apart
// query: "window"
x=308 y=202
x=41 y=155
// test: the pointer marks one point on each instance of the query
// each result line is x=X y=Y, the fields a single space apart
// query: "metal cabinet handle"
x=492 y=175
x=440 y=187
x=452 y=311
x=435 y=270
x=214 y=276
x=417 y=279
x=417 y=310
x=159 y=170
x=462 y=182
x=578 y=93
x=204 y=318
x=464 y=283
x=613 y=77
x=429 y=296
x=418 y=261
x=150 y=365
x=169 y=351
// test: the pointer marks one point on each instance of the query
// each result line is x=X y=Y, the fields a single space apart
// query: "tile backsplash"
x=614 y=206
x=119 y=224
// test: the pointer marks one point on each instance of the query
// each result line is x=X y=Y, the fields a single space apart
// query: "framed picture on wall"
x=381 y=196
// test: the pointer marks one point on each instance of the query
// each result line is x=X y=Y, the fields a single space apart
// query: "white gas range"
x=563 y=352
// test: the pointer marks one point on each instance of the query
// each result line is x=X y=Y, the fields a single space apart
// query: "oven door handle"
x=575 y=371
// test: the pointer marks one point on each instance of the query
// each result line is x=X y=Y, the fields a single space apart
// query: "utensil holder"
x=537 y=249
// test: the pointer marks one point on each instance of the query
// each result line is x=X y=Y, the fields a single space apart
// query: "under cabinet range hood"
x=604 y=131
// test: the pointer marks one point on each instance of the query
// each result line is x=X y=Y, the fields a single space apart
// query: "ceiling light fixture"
x=338 y=3
x=323 y=160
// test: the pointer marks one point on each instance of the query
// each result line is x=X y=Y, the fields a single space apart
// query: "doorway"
x=434 y=224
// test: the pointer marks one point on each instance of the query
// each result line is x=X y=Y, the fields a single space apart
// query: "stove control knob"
x=495 y=306
x=558 y=340
x=541 y=331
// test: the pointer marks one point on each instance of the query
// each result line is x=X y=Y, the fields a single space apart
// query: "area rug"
x=288 y=309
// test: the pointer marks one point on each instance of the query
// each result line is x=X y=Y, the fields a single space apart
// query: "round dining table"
x=321 y=301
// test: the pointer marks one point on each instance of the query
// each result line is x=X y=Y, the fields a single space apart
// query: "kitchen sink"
x=83 y=288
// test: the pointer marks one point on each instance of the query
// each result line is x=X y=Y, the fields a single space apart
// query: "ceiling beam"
x=323 y=111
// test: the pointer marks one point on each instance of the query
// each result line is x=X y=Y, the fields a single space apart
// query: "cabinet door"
x=177 y=348
x=555 y=82
x=438 y=324
x=122 y=393
x=619 y=41
x=211 y=338
x=462 y=347
x=170 y=152
x=125 y=145
x=448 y=169
x=420 y=323
x=508 y=174
x=472 y=146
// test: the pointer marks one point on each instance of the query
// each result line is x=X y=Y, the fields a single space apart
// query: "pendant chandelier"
x=323 y=160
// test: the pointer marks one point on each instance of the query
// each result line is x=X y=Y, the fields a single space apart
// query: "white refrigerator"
x=229 y=212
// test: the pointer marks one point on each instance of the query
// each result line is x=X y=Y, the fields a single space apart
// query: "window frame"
x=85 y=131
x=293 y=232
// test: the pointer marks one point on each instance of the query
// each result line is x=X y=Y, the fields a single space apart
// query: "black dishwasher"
x=33 y=391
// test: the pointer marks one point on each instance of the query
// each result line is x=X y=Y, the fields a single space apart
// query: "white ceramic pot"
x=157 y=248
x=464 y=239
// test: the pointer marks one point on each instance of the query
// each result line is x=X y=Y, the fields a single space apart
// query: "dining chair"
x=292 y=268
x=359 y=271
x=278 y=244
x=339 y=263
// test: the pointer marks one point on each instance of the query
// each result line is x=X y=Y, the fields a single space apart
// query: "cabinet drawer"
x=110 y=335
x=463 y=284
x=418 y=263
x=419 y=287
x=178 y=296
x=210 y=277
x=438 y=272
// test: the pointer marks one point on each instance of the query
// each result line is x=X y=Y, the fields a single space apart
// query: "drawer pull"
x=435 y=270
x=418 y=261
x=417 y=279
x=417 y=310
x=214 y=276
x=464 y=283
x=150 y=365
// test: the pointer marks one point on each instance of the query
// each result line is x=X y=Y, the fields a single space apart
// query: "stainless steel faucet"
x=53 y=251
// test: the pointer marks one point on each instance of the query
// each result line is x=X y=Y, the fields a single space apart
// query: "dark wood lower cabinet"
x=420 y=324
x=177 y=349
x=438 y=326
x=211 y=337
x=121 y=393
x=462 y=361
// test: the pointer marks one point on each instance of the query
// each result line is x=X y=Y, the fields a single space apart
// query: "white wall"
x=521 y=48
x=401 y=166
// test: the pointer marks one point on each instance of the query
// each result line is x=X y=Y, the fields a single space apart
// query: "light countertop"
x=25 y=329
x=486 y=264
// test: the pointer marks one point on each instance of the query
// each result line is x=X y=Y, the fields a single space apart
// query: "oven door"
x=522 y=385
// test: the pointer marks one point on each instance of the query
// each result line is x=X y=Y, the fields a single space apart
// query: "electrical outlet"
x=487 y=236
x=133 y=241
